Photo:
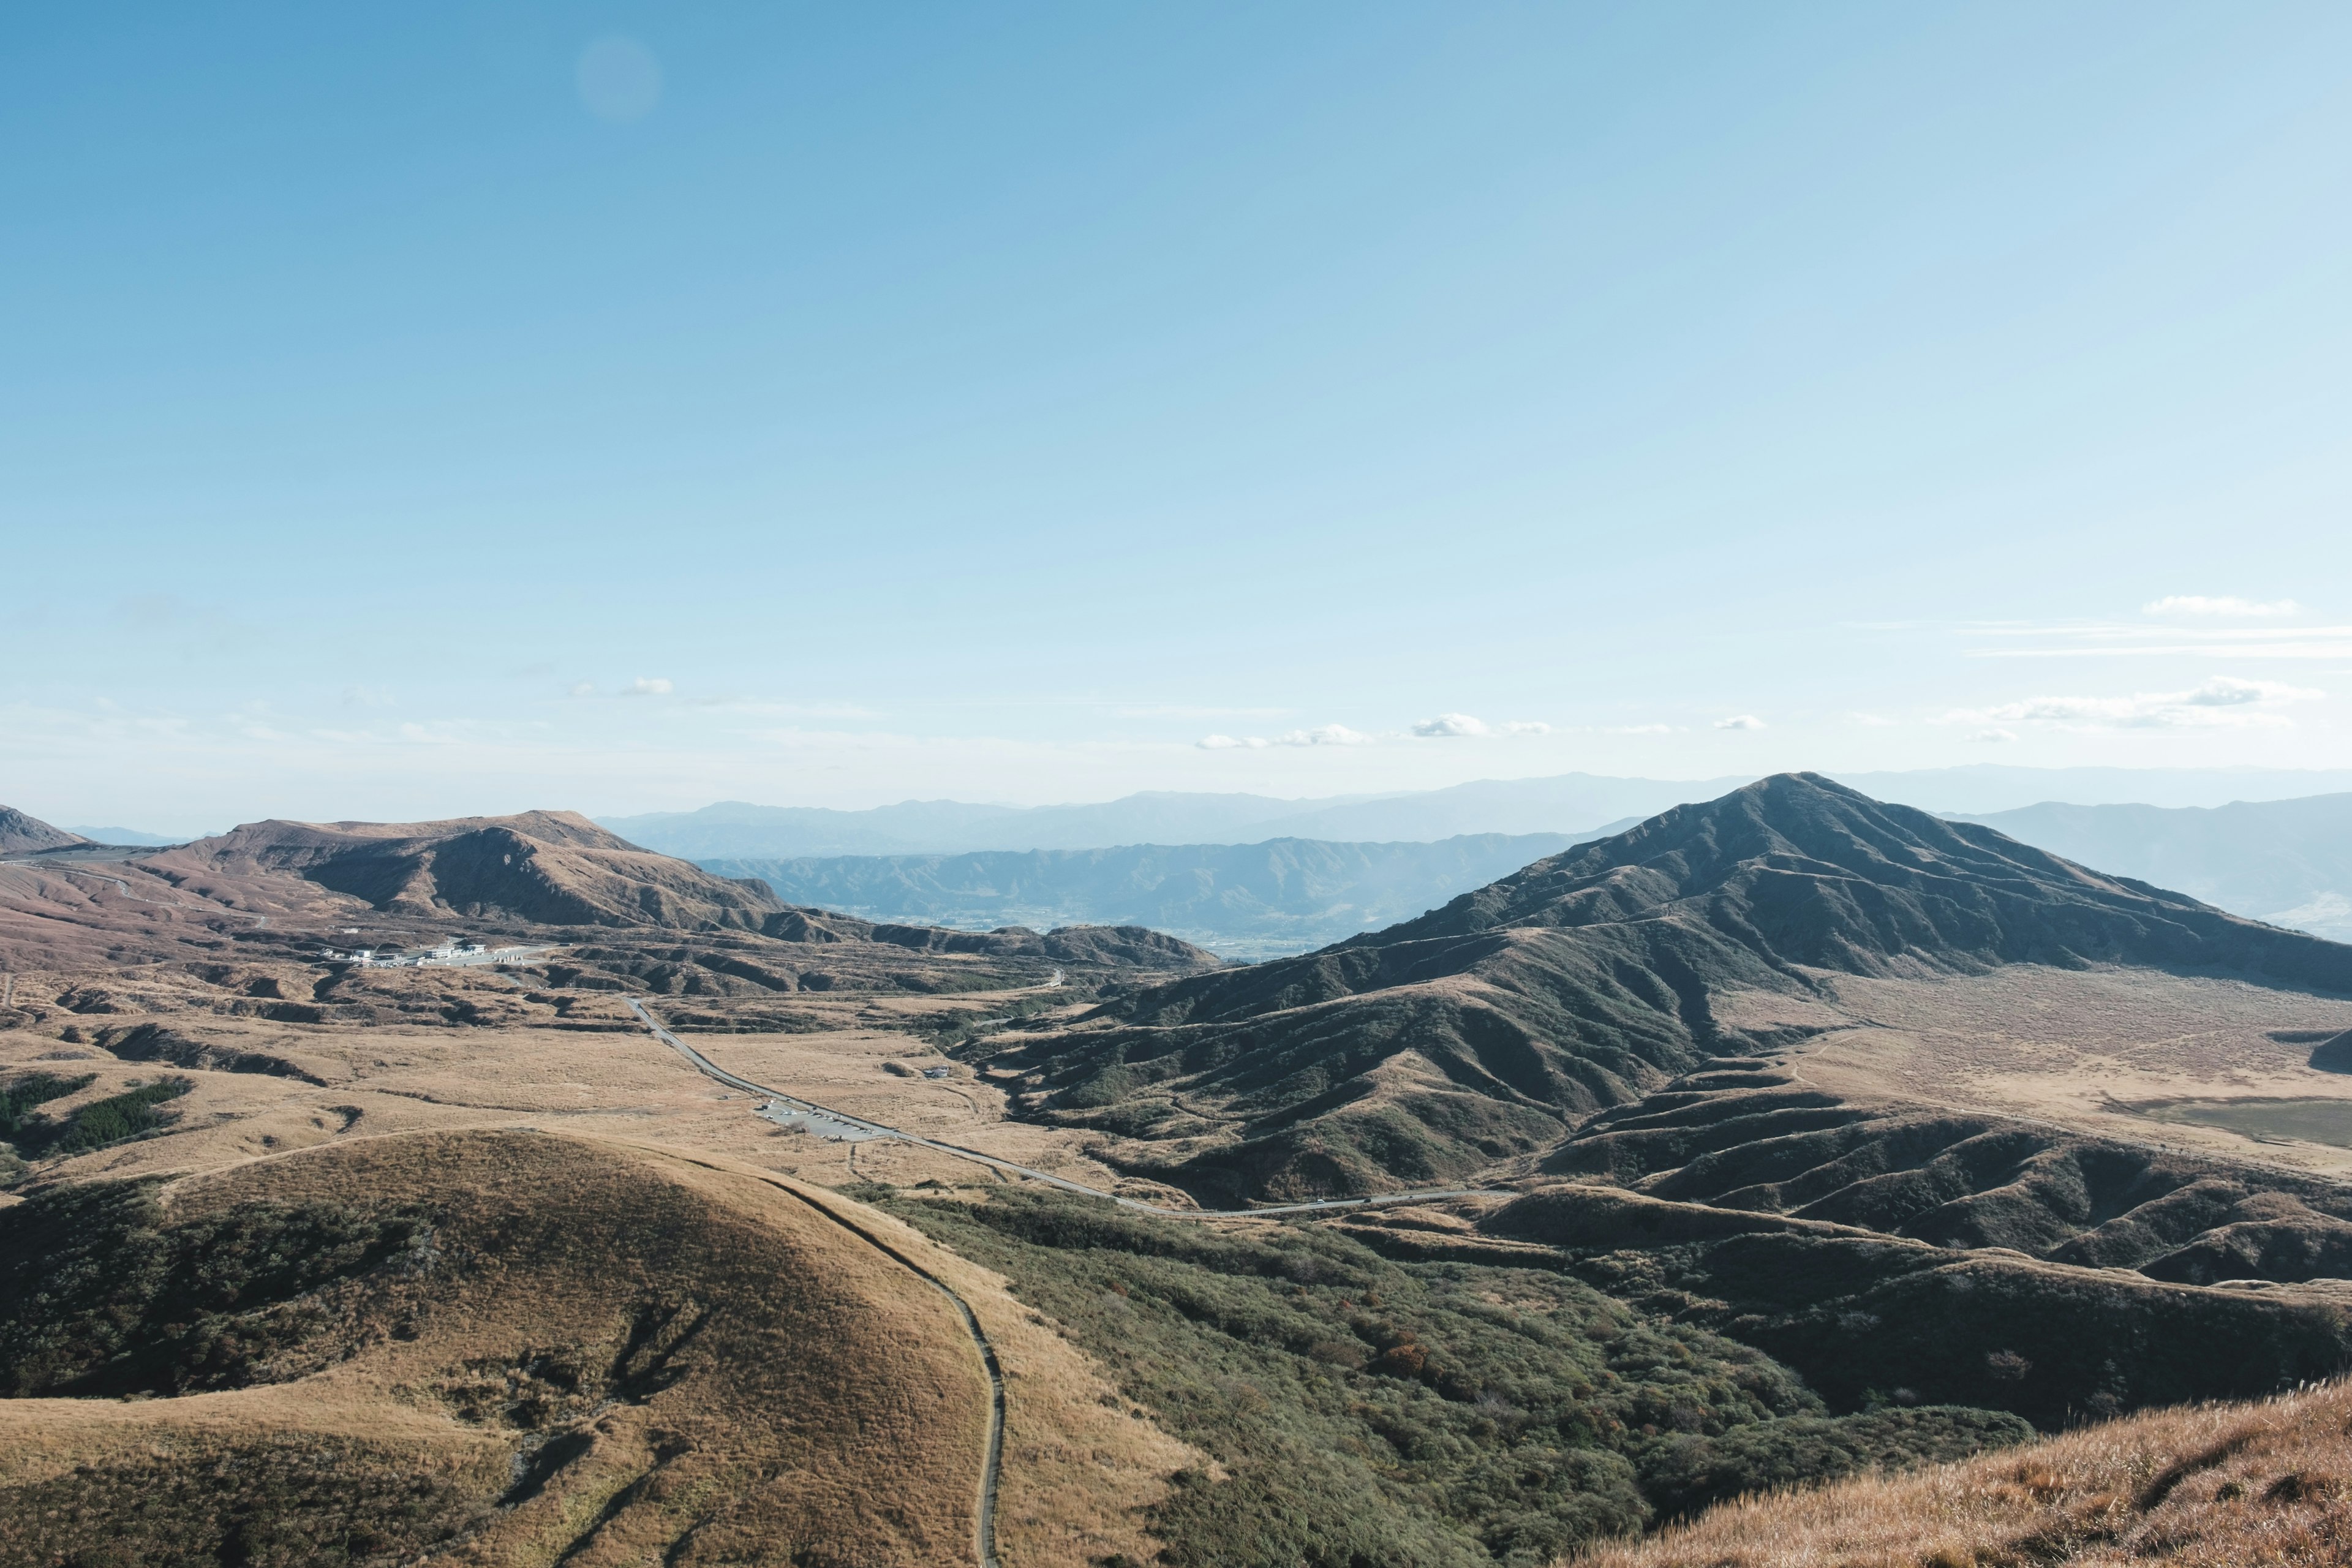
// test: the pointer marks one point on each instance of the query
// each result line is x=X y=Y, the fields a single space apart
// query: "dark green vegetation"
x=2285 y=862
x=1371 y=1411
x=1246 y=900
x=35 y=1135
x=2313 y=1121
x=1584 y=982
x=100 y=1295
x=288 y=1502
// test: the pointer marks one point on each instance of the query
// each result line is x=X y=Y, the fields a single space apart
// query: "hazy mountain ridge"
x=1283 y=896
x=2288 y=862
x=1566 y=803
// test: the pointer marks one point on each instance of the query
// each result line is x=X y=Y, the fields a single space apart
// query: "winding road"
x=858 y=1127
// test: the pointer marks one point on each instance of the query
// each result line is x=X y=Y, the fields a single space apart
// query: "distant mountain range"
x=1248 y=902
x=2288 y=862
x=1568 y=802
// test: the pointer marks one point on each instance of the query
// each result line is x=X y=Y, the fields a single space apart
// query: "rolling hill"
x=551 y=867
x=507 y=1347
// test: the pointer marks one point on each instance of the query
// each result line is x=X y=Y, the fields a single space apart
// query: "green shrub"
x=99 y=1296
x=114 y=1119
x=1367 y=1411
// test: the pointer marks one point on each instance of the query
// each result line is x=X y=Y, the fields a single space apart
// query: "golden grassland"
x=598 y=1073
x=2089 y=1049
x=2223 y=1486
x=726 y=1372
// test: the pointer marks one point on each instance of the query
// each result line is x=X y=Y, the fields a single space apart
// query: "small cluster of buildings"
x=450 y=953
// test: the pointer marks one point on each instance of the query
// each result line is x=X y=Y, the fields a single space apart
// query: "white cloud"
x=1994 y=737
x=583 y=688
x=1463 y=726
x=1638 y=729
x=2222 y=701
x=2227 y=608
x=1323 y=735
x=647 y=686
x=1740 y=721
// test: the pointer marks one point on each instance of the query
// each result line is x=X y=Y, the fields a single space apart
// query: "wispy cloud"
x=2225 y=607
x=1321 y=735
x=2177 y=633
x=1740 y=721
x=648 y=685
x=2222 y=702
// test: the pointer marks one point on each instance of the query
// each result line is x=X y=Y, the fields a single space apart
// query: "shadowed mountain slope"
x=20 y=834
x=1483 y=1030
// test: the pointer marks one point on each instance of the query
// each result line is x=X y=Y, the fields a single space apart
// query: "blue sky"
x=410 y=411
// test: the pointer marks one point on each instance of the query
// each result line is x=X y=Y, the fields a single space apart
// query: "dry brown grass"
x=745 y=1380
x=2225 y=1486
x=2080 y=1047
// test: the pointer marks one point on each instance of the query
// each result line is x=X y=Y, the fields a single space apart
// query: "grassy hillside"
x=498 y=1348
x=2225 y=1486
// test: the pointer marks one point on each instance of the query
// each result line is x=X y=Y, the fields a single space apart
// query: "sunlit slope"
x=494 y=1348
x=2230 y=1486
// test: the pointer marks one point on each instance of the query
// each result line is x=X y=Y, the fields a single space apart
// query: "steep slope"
x=20 y=834
x=1805 y=871
x=1259 y=899
x=2212 y=1487
x=2288 y=862
x=548 y=867
x=1484 y=1030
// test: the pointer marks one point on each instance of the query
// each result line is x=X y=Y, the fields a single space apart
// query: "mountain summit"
x=1804 y=871
x=1485 y=1030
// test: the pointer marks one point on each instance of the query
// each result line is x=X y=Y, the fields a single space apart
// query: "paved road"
x=861 y=1128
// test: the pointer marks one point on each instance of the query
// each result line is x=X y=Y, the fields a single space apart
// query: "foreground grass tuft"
x=2258 y=1485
